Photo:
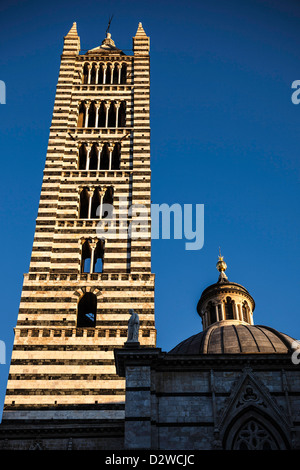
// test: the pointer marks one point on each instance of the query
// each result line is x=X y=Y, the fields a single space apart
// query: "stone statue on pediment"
x=133 y=327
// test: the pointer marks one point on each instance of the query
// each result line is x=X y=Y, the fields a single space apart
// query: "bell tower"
x=87 y=271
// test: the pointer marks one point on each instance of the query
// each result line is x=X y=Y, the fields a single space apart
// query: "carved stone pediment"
x=250 y=393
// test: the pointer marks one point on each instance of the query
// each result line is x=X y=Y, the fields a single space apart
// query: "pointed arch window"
x=87 y=310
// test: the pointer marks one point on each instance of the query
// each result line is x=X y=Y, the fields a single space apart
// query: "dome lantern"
x=225 y=301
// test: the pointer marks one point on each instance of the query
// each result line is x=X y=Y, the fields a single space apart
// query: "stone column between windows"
x=93 y=247
x=112 y=69
x=217 y=312
x=102 y=193
x=117 y=105
x=104 y=74
x=87 y=107
x=88 y=150
x=100 y=147
x=97 y=106
x=90 y=193
x=240 y=316
x=222 y=308
x=107 y=105
x=236 y=312
x=110 y=149
x=97 y=74
x=89 y=74
x=119 y=73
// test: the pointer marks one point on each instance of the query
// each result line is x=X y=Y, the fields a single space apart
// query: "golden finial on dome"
x=221 y=267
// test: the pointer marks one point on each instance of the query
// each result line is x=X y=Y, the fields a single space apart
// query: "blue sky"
x=225 y=134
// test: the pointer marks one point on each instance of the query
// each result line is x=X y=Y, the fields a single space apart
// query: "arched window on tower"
x=123 y=74
x=81 y=115
x=102 y=115
x=122 y=115
x=85 y=74
x=99 y=257
x=104 y=158
x=96 y=200
x=109 y=195
x=82 y=157
x=86 y=257
x=87 y=310
x=92 y=115
x=108 y=74
x=115 y=164
x=228 y=309
x=108 y=198
x=93 y=74
x=93 y=157
x=116 y=74
x=111 y=122
x=100 y=74
x=84 y=204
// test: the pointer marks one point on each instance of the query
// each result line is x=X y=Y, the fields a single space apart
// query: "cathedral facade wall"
x=209 y=403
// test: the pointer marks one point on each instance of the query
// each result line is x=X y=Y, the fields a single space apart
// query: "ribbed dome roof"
x=235 y=338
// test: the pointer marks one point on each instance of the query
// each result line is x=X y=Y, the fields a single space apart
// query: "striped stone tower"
x=86 y=270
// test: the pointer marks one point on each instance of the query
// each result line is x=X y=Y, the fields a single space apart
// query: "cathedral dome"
x=235 y=337
x=226 y=309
